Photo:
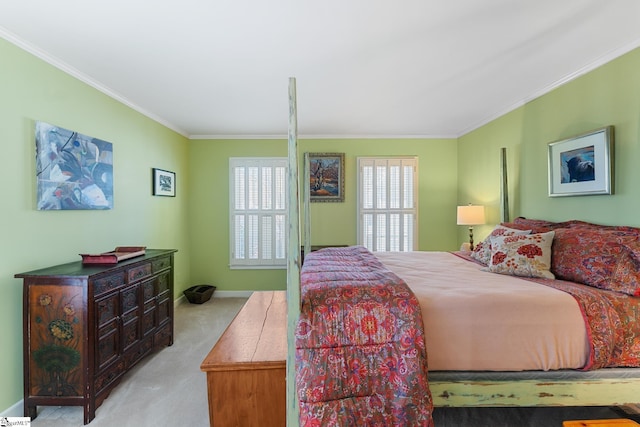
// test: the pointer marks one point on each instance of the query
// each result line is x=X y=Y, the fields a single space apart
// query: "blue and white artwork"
x=578 y=165
x=73 y=171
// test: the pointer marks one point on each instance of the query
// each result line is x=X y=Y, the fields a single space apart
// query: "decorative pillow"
x=606 y=257
x=522 y=255
x=536 y=224
x=482 y=251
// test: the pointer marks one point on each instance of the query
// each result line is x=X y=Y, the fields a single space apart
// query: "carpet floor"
x=168 y=388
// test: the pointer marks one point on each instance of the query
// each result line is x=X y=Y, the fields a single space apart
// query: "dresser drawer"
x=107 y=310
x=139 y=272
x=148 y=290
x=108 y=348
x=108 y=283
x=133 y=356
x=161 y=264
x=149 y=318
x=109 y=376
x=130 y=333
x=163 y=282
x=129 y=299
x=164 y=335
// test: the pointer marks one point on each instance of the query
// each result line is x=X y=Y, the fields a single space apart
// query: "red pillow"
x=602 y=257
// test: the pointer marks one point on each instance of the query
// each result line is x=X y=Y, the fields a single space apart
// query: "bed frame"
x=604 y=387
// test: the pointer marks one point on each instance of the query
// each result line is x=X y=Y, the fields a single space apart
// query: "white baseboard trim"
x=180 y=300
x=17 y=410
x=217 y=294
x=232 y=294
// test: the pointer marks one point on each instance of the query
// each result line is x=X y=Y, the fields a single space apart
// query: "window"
x=258 y=212
x=388 y=204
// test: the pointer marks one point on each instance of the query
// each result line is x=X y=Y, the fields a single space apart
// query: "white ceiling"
x=364 y=68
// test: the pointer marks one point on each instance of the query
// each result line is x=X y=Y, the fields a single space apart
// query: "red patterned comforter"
x=611 y=319
x=612 y=324
x=360 y=347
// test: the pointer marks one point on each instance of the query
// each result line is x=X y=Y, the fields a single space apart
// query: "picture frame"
x=164 y=183
x=326 y=177
x=582 y=165
x=74 y=171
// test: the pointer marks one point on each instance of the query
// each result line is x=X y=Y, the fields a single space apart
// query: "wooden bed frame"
x=542 y=391
x=615 y=387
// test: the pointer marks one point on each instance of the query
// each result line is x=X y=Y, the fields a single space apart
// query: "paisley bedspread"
x=611 y=320
x=360 y=347
x=612 y=324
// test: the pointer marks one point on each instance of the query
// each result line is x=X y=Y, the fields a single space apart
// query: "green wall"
x=196 y=221
x=609 y=95
x=32 y=90
x=332 y=223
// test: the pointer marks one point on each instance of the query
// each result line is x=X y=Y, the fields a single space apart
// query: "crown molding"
x=604 y=59
x=56 y=62
x=328 y=136
x=63 y=66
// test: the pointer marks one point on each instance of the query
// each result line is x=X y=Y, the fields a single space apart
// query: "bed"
x=492 y=335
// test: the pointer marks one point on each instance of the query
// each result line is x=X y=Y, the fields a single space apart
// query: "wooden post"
x=306 y=204
x=293 y=259
x=504 y=188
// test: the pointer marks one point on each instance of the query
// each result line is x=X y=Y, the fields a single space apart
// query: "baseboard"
x=180 y=300
x=217 y=294
x=232 y=294
x=16 y=410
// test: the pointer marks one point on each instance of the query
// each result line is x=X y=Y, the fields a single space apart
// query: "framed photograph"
x=326 y=177
x=582 y=165
x=164 y=183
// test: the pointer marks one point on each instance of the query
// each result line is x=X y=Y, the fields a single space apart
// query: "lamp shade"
x=470 y=215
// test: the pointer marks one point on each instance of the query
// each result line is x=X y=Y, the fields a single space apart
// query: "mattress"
x=475 y=320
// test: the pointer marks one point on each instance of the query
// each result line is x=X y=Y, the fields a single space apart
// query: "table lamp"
x=471 y=215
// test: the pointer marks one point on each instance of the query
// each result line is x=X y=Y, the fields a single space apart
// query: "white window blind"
x=387 y=208
x=258 y=212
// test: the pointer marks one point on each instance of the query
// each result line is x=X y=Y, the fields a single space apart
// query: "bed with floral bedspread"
x=361 y=351
x=360 y=348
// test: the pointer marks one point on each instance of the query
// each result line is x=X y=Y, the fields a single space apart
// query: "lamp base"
x=465 y=247
x=470 y=238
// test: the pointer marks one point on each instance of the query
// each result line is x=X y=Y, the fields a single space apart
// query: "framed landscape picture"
x=326 y=177
x=582 y=165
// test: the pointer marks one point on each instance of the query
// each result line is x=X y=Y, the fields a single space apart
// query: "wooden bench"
x=246 y=368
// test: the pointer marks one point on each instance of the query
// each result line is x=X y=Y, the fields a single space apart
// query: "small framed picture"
x=582 y=165
x=326 y=177
x=164 y=183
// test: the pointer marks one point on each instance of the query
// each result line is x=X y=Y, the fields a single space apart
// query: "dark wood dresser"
x=86 y=325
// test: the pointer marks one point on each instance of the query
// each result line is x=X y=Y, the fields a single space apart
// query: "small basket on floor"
x=199 y=294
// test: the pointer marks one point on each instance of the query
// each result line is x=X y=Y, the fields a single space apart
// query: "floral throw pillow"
x=522 y=255
x=482 y=251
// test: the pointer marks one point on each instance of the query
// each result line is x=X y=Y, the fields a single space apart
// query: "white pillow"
x=522 y=255
x=482 y=251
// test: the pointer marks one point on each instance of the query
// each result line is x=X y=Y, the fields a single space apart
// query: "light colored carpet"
x=168 y=388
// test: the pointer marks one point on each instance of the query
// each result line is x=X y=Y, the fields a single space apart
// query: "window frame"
x=247 y=262
x=387 y=162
